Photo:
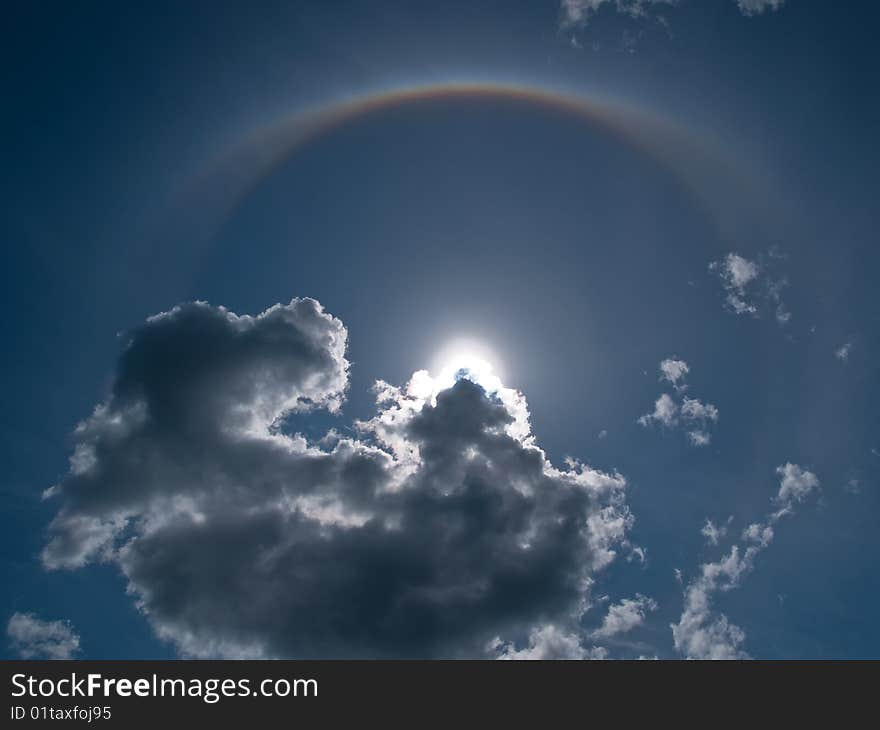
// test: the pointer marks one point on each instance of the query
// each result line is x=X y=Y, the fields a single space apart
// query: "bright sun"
x=467 y=355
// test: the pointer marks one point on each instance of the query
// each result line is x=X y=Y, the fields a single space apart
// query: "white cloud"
x=697 y=414
x=439 y=525
x=737 y=273
x=546 y=642
x=577 y=13
x=756 y=7
x=842 y=352
x=574 y=13
x=759 y=534
x=33 y=638
x=625 y=616
x=796 y=483
x=700 y=633
x=664 y=412
x=751 y=287
x=712 y=532
x=694 y=410
x=699 y=438
x=674 y=370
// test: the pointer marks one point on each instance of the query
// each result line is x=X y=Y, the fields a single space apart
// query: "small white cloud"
x=33 y=638
x=699 y=438
x=756 y=7
x=694 y=410
x=712 y=532
x=796 y=483
x=737 y=273
x=752 y=287
x=577 y=13
x=674 y=370
x=697 y=414
x=842 y=352
x=625 y=616
x=664 y=412
x=546 y=642
x=758 y=533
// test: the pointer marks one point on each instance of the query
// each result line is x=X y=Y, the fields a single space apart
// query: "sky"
x=508 y=330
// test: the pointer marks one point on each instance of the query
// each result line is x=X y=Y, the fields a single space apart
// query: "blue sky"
x=714 y=210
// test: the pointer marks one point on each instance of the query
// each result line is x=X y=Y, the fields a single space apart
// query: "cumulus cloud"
x=32 y=638
x=695 y=410
x=438 y=526
x=753 y=287
x=545 y=643
x=664 y=412
x=795 y=484
x=696 y=415
x=701 y=633
x=674 y=371
x=625 y=616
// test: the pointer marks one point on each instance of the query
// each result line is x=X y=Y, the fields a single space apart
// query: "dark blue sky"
x=579 y=259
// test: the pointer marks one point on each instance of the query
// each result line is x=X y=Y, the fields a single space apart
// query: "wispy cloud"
x=701 y=633
x=842 y=352
x=753 y=287
x=756 y=7
x=577 y=13
x=32 y=638
x=714 y=533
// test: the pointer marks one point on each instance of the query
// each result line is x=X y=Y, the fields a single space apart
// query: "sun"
x=465 y=357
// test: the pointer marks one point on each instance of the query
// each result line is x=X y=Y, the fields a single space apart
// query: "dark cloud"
x=440 y=528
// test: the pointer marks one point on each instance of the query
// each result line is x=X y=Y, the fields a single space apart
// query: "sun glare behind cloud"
x=466 y=355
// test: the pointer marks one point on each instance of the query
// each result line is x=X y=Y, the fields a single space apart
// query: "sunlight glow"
x=468 y=357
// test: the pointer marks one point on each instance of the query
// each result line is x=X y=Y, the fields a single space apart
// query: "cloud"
x=625 y=616
x=795 y=484
x=737 y=273
x=664 y=412
x=668 y=412
x=752 y=287
x=695 y=410
x=545 y=643
x=700 y=633
x=33 y=638
x=438 y=526
x=842 y=352
x=714 y=533
x=756 y=7
x=699 y=438
x=674 y=370
x=577 y=13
